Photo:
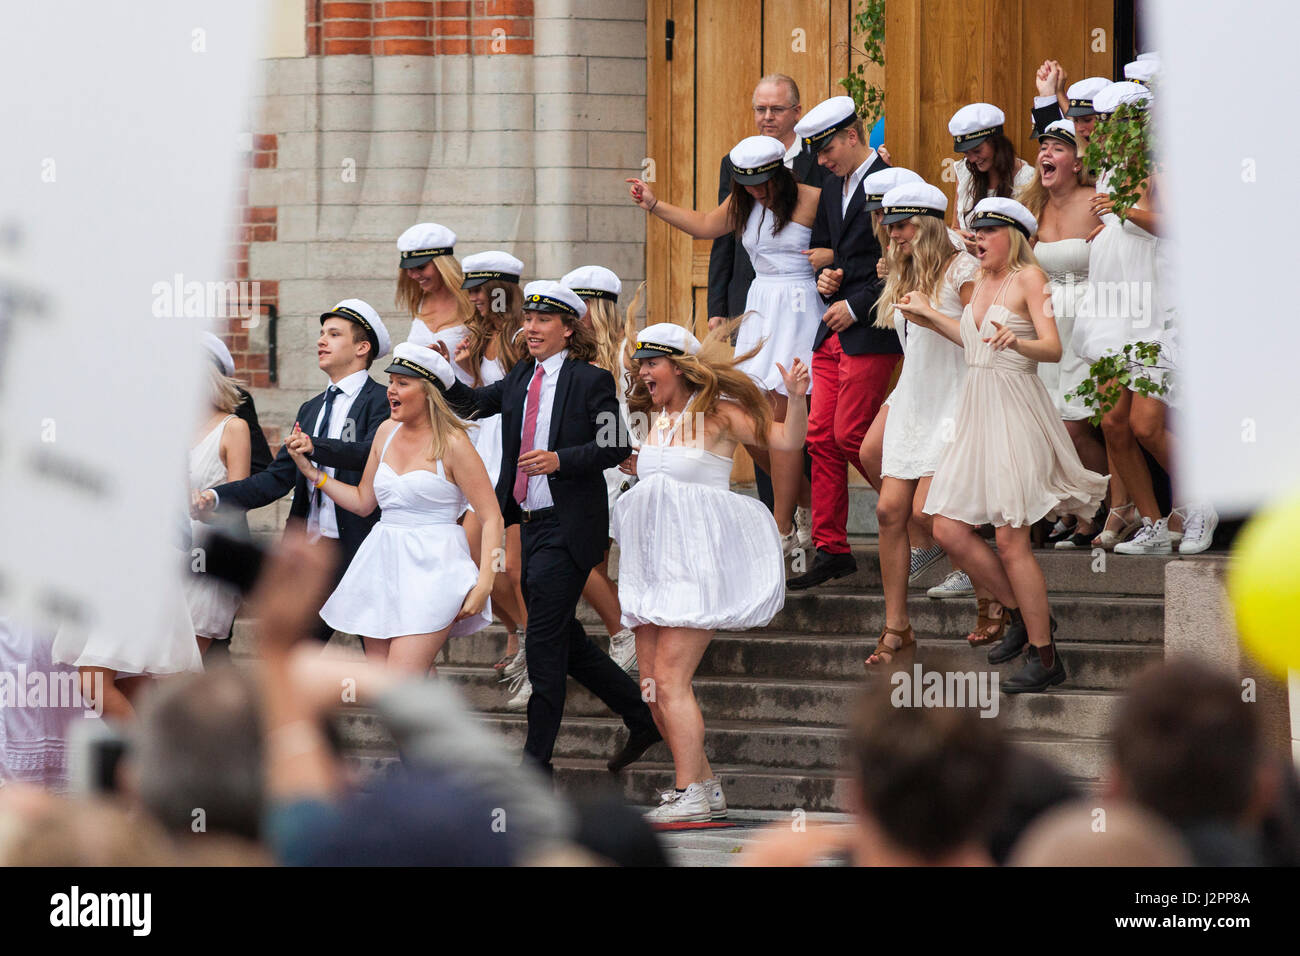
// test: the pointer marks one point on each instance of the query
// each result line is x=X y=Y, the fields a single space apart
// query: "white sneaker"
x=689 y=806
x=522 y=688
x=622 y=650
x=1199 y=522
x=518 y=664
x=1152 y=538
x=790 y=540
x=803 y=522
x=922 y=559
x=717 y=800
x=956 y=584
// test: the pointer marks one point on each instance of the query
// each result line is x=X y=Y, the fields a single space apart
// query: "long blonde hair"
x=223 y=391
x=629 y=338
x=409 y=294
x=713 y=375
x=442 y=420
x=922 y=271
x=499 y=326
x=1021 y=255
x=604 y=327
x=1034 y=195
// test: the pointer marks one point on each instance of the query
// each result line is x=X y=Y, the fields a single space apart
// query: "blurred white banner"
x=121 y=127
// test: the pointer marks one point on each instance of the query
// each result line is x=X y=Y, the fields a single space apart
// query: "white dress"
x=1066 y=264
x=693 y=553
x=413 y=571
x=451 y=337
x=922 y=406
x=34 y=720
x=212 y=603
x=163 y=646
x=786 y=309
x=965 y=183
x=617 y=482
x=1011 y=461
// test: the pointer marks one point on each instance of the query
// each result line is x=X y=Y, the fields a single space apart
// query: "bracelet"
x=654 y=207
x=324 y=477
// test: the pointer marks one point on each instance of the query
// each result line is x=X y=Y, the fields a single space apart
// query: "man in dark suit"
x=776 y=111
x=559 y=432
x=852 y=361
x=342 y=420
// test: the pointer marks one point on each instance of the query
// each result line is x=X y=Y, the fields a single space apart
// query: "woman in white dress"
x=1010 y=461
x=429 y=288
x=488 y=351
x=1061 y=200
x=599 y=289
x=222 y=453
x=412 y=583
x=989 y=165
x=772 y=215
x=695 y=557
x=33 y=730
x=921 y=410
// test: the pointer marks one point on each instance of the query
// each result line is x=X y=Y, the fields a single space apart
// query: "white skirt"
x=485 y=433
x=407 y=579
x=785 y=312
x=695 y=556
x=165 y=646
x=33 y=729
x=1061 y=378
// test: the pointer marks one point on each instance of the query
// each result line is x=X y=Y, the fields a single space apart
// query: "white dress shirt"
x=539 y=486
x=322 y=519
x=795 y=149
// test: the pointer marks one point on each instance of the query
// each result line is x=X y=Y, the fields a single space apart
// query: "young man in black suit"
x=776 y=111
x=559 y=432
x=852 y=361
x=342 y=421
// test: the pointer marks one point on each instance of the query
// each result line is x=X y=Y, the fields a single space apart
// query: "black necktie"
x=324 y=431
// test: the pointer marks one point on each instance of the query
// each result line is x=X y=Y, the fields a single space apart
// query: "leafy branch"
x=1110 y=375
x=1121 y=146
x=869 y=24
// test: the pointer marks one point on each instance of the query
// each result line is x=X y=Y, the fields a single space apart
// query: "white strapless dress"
x=1066 y=264
x=693 y=553
x=411 y=574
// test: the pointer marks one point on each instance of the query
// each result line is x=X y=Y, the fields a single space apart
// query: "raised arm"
x=698 y=225
x=359 y=499
x=788 y=435
x=1031 y=286
x=916 y=308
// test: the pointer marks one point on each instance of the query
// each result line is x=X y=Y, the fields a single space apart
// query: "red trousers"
x=847 y=392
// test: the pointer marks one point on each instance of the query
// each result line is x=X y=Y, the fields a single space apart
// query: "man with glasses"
x=776 y=110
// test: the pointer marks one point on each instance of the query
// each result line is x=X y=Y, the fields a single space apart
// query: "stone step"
x=1085 y=713
x=764 y=654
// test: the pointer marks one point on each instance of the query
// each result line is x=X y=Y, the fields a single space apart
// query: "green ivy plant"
x=868 y=23
x=1110 y=375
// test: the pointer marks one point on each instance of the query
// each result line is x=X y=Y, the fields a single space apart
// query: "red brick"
x=313 y=41
x=265 y=141
x=263 y=233
x=342 y=47
x=519 y=46
x=391 y=47
x=508 y=8
x=236 y=341
x=259 y=379
x=453 y=8
x=268 y=289
x=334 y=29
x=402 y=28
x=256 y=361
x=260 y=213
x=347 y=11
x=407 y=9
x=263 y=160
x=511 y=27
x=445 y=46
x=313 y=11
x=241 y=270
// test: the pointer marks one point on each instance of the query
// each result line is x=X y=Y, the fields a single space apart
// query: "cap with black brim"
x=753 y=175
x=654 y=350
x=965 y=142
x=893 y=214
x=545 y=303
x=993 y=220
x=475 y=279
x=420 y=257
x=1080 y=108
x=351 y=315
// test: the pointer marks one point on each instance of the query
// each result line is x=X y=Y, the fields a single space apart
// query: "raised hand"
x=915 y=306
x=1002 y=337
x=883 y=152
x=641 y=194
x=440 y=347
x=796 y=378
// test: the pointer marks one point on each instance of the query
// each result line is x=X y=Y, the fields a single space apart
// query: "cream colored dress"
x=1012 y=461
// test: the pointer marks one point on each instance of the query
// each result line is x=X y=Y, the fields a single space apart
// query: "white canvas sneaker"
x=803 y=523
x=1152 y=538
x=717 y=799
x=518 y=664
x=1199 y=522
x=689 y=806
x=622 y=650
x=956 y=584
x=522 y=688
x=921 y=560
x=790 y=541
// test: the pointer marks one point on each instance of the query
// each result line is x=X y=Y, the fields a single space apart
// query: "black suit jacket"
x=850 y=235
x=585 y=433
x=1045 y=116
x=730 y=271
x=260 y=450
x=369 y=410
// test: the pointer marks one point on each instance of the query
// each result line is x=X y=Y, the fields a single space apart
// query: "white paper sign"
x=119 y=165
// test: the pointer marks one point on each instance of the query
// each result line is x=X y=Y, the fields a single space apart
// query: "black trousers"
x=559 y=647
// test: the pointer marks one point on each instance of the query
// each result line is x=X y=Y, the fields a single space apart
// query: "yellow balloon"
x=1264 y=586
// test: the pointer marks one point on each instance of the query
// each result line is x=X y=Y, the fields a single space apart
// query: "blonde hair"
x=629 y=337
x=441 y=419
x=409 y=294
x=223 y=391
x=713 y=375
x=1033 y=195
x=1021 y=255
x=604 y=327
x=922 y=271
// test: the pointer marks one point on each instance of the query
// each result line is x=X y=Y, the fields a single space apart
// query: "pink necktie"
x=530 y=431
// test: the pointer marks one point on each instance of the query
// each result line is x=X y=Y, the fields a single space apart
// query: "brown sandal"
x=985 y=623
x=886 y=655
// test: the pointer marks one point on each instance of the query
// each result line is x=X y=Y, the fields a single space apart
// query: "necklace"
x=663 y=421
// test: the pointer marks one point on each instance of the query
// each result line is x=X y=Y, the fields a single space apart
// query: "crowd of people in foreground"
x=527 y=426
x=1190 y=778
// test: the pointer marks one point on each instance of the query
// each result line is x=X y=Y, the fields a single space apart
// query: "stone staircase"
x=775 y=700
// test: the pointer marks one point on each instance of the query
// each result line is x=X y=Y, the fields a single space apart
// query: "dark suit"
x=260 y=458
x=851 y=368
x=1044 y=116
x=563 y=543
x=369 y=410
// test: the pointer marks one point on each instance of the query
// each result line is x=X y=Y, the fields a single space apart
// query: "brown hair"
x=785 y=197
x=359 y=335
x=500 y=325
x=1004 y=165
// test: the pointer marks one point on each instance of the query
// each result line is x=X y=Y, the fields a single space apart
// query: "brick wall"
x=423 y=28
x=253 y=224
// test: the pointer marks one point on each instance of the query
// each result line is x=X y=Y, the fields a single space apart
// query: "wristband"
x=324 y=477
x=654 y=207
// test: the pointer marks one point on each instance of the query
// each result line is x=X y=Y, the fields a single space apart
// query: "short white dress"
x=966 y=185
x=1011 y=461
x=212 y=603
x=1066 y=264
x=411 y=574
x=166 y=645
x=693 y=553
x=486 y=432
x=784 y=308
x=34 y=727
x=922 y=406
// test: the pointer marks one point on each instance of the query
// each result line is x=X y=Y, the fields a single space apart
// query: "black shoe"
x=1034 y=678
x=825 y=566
x=1014 y=640
x=636 y=745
